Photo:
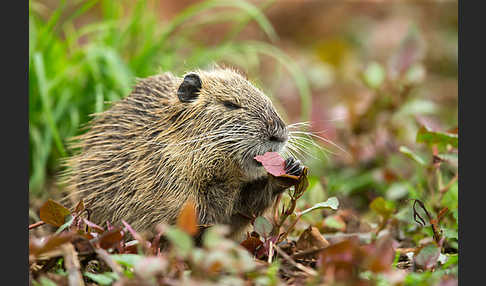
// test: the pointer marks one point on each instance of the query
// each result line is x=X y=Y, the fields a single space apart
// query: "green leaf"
x=449 y=158
x=69 y=220
x=427 y=256
x=374 y=75
x=331 y=203
x=334 y=223
x=181 y=240
x=418 y=106
x=451 y=197
x=382 y=207
x=430 y=137
x=397 y=191
x=412 y=155
x=315 y=192
x=262 y=226
x=128 y=260
x=213 y=236
x=453 y=259
x=44 y=281
x=450 y=233
x=106 y=278
x=415 y=74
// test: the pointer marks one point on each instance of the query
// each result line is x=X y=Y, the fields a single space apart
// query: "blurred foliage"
x=73 y=70
x=377 y=84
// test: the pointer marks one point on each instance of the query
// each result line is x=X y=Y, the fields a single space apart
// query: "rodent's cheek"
x=254 y=171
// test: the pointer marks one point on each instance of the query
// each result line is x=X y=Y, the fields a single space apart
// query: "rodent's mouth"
x=264 y=148
x=252 y=167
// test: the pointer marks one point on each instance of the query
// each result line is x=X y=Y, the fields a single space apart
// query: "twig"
x=405 y=250
x=286 y=233
x=103 y=254
x=72 y=265
x=433 y=222
x=307 y=252
x=289 y=259
x=270 y=252
x=299 y=188
x=446 y=187
x=34 y=225
x=275 y=210
x=142 y=241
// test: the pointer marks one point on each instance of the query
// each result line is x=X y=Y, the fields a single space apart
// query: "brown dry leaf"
x=380 y=255
x=342 y=259
x=187 y=220
x=82 y=244
x=251 y=244
x=311 y=238
x=79 y=207
x=454 y=130
x=215 y=267
x=53 y=213
x=109 y=238
x=36 y=247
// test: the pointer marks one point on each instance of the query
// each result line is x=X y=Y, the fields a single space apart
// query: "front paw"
x=293 y=167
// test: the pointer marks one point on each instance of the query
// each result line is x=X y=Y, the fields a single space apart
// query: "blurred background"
x=375 y=79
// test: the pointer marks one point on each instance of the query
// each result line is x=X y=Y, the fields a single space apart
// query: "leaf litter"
x=125 y=257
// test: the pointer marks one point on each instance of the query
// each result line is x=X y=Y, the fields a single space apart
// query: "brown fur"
x=143 y=158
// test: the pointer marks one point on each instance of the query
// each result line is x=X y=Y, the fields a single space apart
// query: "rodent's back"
x=104 y=173
x=174 y=139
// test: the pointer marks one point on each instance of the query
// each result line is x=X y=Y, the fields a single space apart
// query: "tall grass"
x=73 y=72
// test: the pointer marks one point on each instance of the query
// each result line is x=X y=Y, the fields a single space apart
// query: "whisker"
x=300 y=146
x=313 y=143
x=300 y=152
x=320 y=138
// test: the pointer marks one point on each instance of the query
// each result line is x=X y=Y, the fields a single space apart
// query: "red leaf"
x=273 y=163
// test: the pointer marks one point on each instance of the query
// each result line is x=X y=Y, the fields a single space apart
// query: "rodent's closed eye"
x=231 y=105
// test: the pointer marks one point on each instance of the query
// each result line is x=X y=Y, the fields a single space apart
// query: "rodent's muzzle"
x=277 y=131
x=280 y=138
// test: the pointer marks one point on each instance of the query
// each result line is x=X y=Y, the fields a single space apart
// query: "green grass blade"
x=241 y=24
x=195 y=10
x=46 y=105
x=294 y=70
x=81 y=10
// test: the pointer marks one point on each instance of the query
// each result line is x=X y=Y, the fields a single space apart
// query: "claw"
x=293 y=167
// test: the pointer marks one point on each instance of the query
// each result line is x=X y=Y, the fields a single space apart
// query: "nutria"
x=178 y=139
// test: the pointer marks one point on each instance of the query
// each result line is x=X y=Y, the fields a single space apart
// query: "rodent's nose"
x=277 y=130
x=280 y=135
x=279 y=138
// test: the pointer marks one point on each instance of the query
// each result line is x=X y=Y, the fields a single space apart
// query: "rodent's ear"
x=189 y=89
